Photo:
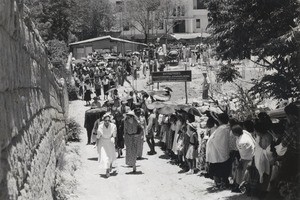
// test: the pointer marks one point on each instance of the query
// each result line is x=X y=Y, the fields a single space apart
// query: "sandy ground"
x=156 y=177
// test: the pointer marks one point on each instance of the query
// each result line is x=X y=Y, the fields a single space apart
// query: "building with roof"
x=189 y=18
x=102 y=45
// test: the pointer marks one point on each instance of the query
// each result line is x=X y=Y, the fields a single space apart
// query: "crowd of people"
x=255 y=156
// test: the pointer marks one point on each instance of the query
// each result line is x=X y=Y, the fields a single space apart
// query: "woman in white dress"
x=106 y=134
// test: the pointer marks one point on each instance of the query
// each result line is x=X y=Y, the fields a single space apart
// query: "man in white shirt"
x=245 y=144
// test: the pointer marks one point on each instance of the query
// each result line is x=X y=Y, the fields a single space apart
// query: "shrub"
x=73 y=131
x=65 y=180
x=72 y=92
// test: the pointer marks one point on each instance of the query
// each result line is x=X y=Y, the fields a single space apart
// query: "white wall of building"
x=191 y=16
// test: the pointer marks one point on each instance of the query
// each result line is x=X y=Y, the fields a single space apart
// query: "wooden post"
x=185 y=86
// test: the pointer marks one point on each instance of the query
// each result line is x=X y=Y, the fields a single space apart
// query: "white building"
x=190 y=17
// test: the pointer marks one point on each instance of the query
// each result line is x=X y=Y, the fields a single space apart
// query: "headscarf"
x=131 y=128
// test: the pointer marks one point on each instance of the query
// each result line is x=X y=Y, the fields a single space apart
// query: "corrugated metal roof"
x=104 y=38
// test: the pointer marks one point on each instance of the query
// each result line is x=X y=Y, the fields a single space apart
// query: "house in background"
x=188 y=19
x=104 y=44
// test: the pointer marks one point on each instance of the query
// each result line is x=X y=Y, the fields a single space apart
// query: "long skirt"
x=169 y=139
x=175 y=145
x=202 y=155
x=192 y=152
x=205 y=94
x=87 y=95
x=220 y=169
x=107 y=153
x=131 y=142
x=120 y=136
x=105 y=89
x=164 y=130
x=186 y=142
x=140 y=146
x=98 y=92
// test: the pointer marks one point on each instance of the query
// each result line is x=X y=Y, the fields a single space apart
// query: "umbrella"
x=111 y=58
x=112 y=89
x=156 y=104
x=136 y=53
x=162 y=97
x=194 y=111
x=97 y=110
x=166 y=110
x=183 y=107
x=173 y=52
x=101 y=63
x=78 y=61
x=169 y=89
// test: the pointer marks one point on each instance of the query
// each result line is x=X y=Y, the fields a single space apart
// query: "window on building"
x=160 y=25
x=182 y=10
x=198 y=23
x=119 y=6
x=199 y=4
x=174 y=12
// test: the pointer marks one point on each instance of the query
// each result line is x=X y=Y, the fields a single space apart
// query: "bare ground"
x=156 y=177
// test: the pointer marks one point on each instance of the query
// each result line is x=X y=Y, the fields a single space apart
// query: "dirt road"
x=156 y=177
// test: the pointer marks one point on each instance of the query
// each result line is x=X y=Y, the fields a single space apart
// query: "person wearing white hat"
x=106 y=134
x=132 y=134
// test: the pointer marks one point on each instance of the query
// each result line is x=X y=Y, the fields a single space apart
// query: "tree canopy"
x=62 y=21
x=264 y=30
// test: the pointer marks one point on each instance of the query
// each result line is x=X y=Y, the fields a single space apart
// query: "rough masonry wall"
x=33 y=106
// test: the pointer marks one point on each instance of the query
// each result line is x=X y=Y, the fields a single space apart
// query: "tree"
x=98 y=17
x=168 y=11
x=264 y=29
x=137 y=14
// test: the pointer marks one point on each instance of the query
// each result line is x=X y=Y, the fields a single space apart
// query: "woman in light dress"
x=106 y=134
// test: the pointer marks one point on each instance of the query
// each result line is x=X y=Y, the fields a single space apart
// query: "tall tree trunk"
x=146 y=38
x=147 y=26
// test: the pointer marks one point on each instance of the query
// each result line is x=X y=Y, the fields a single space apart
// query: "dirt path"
x=157 y=179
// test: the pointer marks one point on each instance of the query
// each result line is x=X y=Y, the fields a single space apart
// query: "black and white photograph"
x=149 y=99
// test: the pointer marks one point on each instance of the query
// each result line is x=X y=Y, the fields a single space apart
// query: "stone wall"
x=33 y=107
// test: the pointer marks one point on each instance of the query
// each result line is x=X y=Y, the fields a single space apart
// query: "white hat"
x=130 y=113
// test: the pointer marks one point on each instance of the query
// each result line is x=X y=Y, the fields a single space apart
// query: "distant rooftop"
x=104 y=38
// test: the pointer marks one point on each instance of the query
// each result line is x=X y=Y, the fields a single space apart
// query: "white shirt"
x=246 y=144
x=217 y=148
x=106 y=132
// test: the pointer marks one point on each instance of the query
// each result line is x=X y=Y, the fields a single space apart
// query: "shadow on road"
x=164 y=156
x=93 y=159
x=134 y=173
x=126 y=166
x=114 y=173
x=142 y=158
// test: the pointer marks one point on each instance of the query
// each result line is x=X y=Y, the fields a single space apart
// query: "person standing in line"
x=87 y=93
x=245 y=144
x=105 y=83
x=132 y=135
x=192 y=151
x=217 y=151
x=106 y=134
x=97 y=85
x=152 y=121
x=142 y=121
x=119 y=144
x=205 y=87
